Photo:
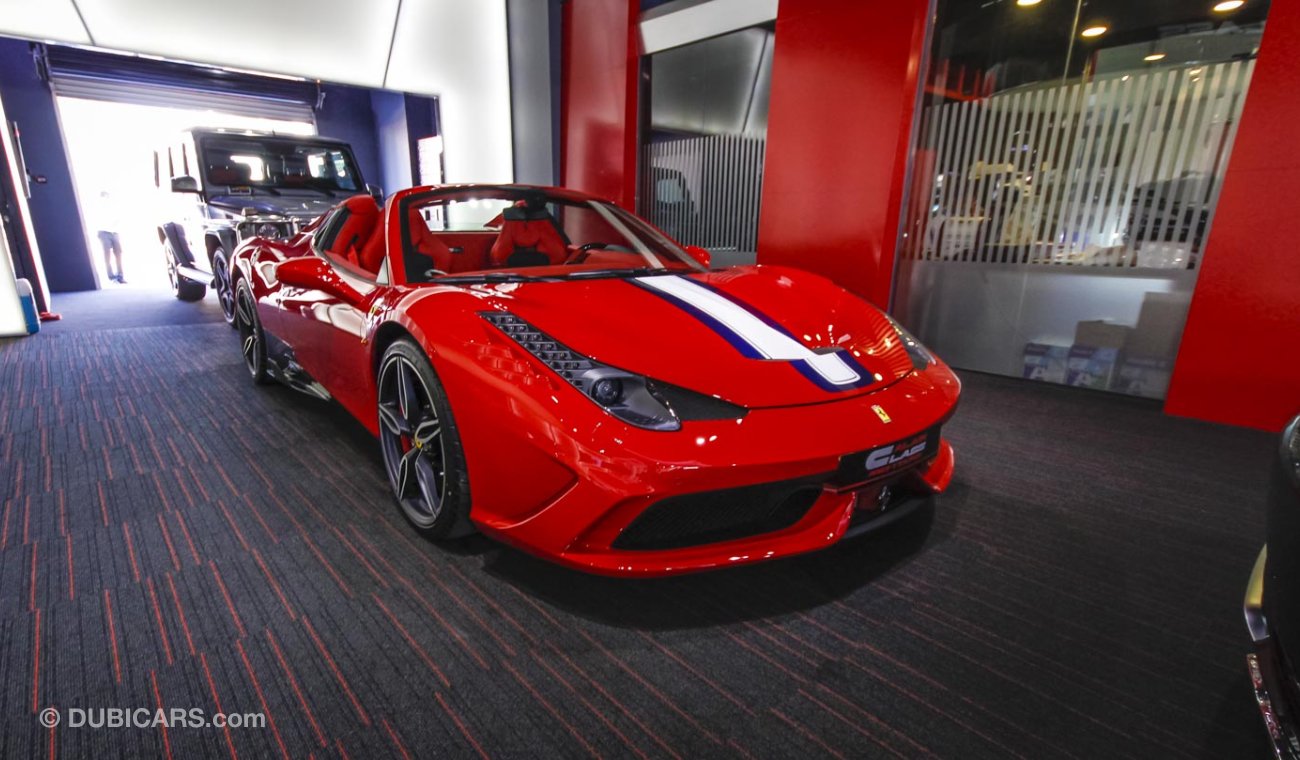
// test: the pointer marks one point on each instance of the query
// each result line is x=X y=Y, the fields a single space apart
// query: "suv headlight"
x=635 y=399
x=920 y=355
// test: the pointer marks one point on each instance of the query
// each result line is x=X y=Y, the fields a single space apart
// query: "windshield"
x=507 y=234
x=279 y=164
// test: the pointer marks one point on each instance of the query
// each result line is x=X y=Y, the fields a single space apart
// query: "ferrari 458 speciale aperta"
x=548 y=369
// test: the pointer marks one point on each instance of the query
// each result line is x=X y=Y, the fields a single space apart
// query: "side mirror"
x=185 y=184
x=376 y=192
x=314 y=273
x=700 y=255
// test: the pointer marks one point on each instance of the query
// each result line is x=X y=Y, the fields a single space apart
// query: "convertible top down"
x=548 y=369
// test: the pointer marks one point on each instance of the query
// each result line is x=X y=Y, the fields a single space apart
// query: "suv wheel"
x=221 y=281
x=182 y=287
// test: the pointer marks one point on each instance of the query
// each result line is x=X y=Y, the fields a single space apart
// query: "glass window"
x=278 y=164
x=705 y=134
x=1066 y=166
x=512 y=233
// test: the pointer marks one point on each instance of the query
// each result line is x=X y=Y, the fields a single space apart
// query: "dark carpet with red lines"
x=174 y=537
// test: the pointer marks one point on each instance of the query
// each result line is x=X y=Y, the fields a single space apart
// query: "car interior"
x=524 y=234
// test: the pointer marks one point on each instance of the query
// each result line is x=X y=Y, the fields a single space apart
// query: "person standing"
x=109 y=221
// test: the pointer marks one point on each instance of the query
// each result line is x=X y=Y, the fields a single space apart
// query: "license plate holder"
x=878 y=462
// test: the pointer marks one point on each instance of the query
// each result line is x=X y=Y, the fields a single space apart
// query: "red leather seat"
x=360 y=238
x=524 y=231
x=428 y=243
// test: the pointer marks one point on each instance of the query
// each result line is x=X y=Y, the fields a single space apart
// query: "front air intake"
x=711 y=517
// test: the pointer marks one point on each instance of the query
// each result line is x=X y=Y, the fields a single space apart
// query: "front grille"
x=713 y=516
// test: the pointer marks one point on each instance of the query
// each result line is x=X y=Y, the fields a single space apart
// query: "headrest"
x=525 y=214
x=362 y=205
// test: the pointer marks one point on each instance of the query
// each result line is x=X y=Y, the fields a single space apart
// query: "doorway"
x=110 y=150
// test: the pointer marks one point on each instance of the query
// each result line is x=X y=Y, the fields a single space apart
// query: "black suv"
x=224 y=186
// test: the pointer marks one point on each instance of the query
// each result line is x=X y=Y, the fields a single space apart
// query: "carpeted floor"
x=172 y=536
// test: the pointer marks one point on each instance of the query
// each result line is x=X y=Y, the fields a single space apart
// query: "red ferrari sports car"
x=547 y=368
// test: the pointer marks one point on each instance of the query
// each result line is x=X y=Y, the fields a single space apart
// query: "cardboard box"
x=1099 y=333
x=1045 y=362
x=1145 y=376
x=1092 y=366
x=1159 y=326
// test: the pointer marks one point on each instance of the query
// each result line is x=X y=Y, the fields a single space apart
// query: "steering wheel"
x=429 y=274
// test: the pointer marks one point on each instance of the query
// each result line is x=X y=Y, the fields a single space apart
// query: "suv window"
x=278 y=164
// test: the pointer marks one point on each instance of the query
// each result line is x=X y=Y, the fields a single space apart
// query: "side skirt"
x=284 y=367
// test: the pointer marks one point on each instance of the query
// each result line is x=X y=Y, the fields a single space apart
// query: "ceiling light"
x=1154 y=57
x=1026 y=3
x=1195 y=72
x=1095 y=31
x=1228 y=5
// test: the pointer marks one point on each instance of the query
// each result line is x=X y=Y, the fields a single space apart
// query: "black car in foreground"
x=1272 y=604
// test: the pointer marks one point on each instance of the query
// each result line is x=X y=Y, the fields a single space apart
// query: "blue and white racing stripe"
x=756 y=335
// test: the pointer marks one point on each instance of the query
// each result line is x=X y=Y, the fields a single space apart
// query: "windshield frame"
x=638 y=231
x=259 y=143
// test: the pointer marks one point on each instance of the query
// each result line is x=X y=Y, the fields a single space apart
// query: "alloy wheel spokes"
x=406 y=473
x=430 y=482
x=228 y=300
x=408 y=399
x=392 y=420
x=250 y=346
x=425 y=432
x=245 y=311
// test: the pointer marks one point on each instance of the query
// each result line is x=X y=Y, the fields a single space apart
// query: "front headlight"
x=920 y=355
x=633 y=398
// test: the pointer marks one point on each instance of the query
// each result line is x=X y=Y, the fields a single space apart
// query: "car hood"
x=302 y=207
x=755 y=336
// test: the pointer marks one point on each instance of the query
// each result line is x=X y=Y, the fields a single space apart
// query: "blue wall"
x=56 y=218
x=394 y=141
x=346 y=115
x=384 y=128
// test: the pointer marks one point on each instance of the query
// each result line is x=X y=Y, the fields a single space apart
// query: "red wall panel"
x=1239 y=362
x=599 y=98
x=843 y=93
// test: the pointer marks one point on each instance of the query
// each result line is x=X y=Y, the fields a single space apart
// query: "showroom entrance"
x=110 y=148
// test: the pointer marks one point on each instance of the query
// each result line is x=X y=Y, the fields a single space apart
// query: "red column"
x=599 y=98
x=1239 y=361
x=844 y=82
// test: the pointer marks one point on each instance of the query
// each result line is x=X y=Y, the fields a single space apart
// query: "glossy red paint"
x=1237 y=362
x=555 y=474
x=844 y=87
x=599 y=98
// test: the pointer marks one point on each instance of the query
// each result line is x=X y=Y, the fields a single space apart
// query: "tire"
x=183 y=288
x=252 y=339
x=221 y=283
x=420 y=445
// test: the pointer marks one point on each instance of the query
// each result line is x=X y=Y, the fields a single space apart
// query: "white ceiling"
x=455 y=49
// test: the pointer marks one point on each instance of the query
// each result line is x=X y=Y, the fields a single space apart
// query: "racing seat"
x=360 y=238
x=428 y=243
x=529 y=237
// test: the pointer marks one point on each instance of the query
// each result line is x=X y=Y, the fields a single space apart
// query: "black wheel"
x=182 y=287
x=252 y=340
x=221 y=281
x=420 y=445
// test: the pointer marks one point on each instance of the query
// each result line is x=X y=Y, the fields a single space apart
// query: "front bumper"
x=1266 y=670
x=611 y=476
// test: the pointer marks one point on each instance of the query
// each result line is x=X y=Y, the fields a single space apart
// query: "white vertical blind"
x=704 y=190
x=1119 y=171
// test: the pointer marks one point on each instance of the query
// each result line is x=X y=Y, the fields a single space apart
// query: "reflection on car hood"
x=300 y=207
x=755 y=336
